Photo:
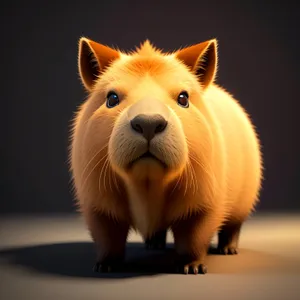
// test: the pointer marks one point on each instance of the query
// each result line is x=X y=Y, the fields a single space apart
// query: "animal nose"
x=149 y=125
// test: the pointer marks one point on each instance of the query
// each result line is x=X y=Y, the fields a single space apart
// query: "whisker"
x=115 y=180
x=193 y=178
x=208 y=172
x=100 y=175
x=94 y=156
x=95 y=166
x=178 y=180
x=109 y=174
x=103 y=170
x=186 y=184
x=211 y=176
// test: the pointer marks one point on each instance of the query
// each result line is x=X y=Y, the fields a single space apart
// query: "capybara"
x=157 y=145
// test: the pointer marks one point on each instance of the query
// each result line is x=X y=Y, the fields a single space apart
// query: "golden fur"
x=213 y=171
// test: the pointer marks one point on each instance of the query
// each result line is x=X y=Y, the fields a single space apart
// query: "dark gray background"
x=40 y=88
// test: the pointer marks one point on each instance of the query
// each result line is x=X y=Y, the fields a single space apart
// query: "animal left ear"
x=202 y=59
x=93 y=58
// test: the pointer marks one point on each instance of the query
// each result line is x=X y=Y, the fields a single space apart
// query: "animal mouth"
x=147 y=155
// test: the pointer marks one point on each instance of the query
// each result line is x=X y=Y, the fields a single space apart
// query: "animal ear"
x=202 y=59
x=93 y=58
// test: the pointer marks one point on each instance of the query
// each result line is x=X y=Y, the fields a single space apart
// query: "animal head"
x=145 y=107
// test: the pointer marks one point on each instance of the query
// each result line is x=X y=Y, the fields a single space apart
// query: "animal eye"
x=112 y=99
x=183 y=99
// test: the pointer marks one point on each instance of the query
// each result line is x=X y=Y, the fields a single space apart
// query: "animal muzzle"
x=149 y=125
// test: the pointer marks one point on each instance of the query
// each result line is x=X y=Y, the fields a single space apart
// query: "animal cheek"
x=171 y=148
x=117 y=146
x=123 y=145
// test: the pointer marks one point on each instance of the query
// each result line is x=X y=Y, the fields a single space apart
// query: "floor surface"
x=51 y=257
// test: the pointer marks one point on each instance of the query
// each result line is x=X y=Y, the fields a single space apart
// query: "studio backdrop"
x=40 y=87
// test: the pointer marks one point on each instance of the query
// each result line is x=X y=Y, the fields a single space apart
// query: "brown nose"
x=149 y=125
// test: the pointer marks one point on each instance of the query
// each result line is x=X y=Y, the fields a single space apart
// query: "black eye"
x=112 y=99
x=183 y=99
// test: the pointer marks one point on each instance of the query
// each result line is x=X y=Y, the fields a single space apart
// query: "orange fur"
x=211 y=150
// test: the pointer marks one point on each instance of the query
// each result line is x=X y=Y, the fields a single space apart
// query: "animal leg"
x=110 y=238
x=192 y=239
x=228 y=237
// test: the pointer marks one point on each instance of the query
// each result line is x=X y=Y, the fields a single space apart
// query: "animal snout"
x=149 y=125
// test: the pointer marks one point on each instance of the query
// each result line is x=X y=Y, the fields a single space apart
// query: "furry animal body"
x=158 y=145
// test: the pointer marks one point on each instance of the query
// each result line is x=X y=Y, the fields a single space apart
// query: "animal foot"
x=157 y=241
x=155 y=246
x=227 y=250
x=107 y=265
x=102 y=268
x=192 y=268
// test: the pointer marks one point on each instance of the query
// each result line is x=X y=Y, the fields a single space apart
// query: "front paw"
x=227 y=250
x=193 y=268
x=108 y=265
x=102 y=268
x=190 y=266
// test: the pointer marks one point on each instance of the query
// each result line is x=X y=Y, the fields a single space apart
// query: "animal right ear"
x=202 y=59
x=93 y=58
